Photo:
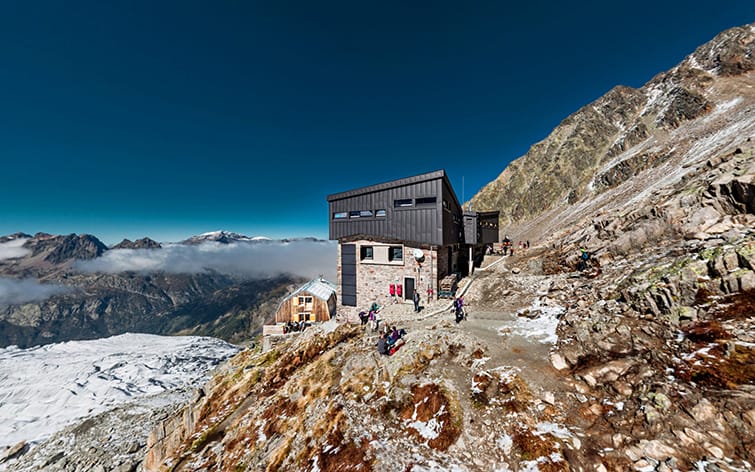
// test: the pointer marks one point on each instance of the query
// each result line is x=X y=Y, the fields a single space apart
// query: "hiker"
x=382 y=345
x=459 y=309
x=363 y=317
x=584 y=259
x=416 y=301
x=373 y=316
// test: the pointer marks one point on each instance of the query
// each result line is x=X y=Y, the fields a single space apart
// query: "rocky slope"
x=693 y=112
x=93 y=304
x=652 y=354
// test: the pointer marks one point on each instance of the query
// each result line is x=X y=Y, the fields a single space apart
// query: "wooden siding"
x=321 y=310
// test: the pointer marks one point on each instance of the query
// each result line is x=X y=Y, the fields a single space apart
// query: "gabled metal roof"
x=319 y=288
x=438 y=174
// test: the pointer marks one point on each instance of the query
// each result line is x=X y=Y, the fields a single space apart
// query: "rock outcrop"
x=676 y=117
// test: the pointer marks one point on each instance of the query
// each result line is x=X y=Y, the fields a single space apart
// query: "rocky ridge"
x=144 y=243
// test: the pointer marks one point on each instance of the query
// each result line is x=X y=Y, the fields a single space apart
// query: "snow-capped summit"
x=220 y=236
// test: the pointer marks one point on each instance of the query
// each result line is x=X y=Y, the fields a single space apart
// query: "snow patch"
x=431 y=428
x=542 y=327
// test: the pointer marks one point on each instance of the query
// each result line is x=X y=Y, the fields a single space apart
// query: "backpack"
x=585 y=255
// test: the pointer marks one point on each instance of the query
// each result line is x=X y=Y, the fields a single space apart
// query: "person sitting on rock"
x=382 y=345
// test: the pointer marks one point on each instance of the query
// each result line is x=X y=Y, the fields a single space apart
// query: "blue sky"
x=166 y=119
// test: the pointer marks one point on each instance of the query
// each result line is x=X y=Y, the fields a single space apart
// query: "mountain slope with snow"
x=42 y=389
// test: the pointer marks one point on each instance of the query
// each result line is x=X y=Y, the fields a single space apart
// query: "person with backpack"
x=458 y=310
x=584 y=259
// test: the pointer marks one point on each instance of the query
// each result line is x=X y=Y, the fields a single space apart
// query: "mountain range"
x=86 y=304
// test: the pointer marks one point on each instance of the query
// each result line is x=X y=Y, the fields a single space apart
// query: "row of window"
x=395 y=253
x=359 y=214
x=381 y=213
x=305 y=300
x=305 y=317
x=417 y=202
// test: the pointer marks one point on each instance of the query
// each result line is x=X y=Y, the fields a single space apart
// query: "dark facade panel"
x=487 y=222
x=349 y=275
x=470 y=228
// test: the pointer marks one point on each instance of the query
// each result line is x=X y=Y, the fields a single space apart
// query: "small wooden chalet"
x=404 y=235
x=313 y=301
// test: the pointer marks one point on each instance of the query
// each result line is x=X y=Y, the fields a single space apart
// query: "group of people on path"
x=294 y=326
x=371 y=316
x=391 y=339
x=508 y=246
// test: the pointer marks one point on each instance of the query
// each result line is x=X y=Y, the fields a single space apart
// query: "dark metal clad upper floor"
x=415 y=179
x=422 y=208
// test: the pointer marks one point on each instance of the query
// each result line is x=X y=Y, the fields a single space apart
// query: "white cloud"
x=13 y=248
x=305 y=258
x=15 y=291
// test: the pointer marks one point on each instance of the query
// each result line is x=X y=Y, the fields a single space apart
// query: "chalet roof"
x=319 y=288
x=438 y=174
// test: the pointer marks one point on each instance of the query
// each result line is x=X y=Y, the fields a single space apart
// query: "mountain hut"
x=313 y=301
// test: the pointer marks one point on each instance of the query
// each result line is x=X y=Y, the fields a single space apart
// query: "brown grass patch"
x=276 y=416
x=705 y=331
x=478 y=354
x=721 y=371
x=483 y=381
x=531 y=446
x=279 y=373
x=338 y=455
x=515 y=394
x=429 y=402
x=736 y=306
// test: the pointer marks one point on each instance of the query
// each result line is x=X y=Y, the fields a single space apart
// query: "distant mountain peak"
x=219 y=236
x=144 y=243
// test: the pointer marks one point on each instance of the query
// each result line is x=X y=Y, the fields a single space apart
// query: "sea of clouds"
x=306 y=258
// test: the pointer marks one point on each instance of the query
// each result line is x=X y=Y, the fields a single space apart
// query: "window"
x=360 y=214
x=445 y=204
x=403 y=203
x=340 y=215
x=366 y=253
x=305 y=316
x=380 y=213
x=305 y=300
x=426 y=201
x=395 y=253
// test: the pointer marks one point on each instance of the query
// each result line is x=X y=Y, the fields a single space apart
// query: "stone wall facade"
x=374 y=277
